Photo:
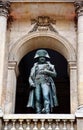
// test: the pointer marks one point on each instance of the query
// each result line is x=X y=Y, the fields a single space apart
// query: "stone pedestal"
x=4 y=10
x=79 y=11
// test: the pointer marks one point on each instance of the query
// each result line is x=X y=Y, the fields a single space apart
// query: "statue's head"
x=41 y=53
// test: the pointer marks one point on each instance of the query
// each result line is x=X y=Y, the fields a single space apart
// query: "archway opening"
x=61 y=82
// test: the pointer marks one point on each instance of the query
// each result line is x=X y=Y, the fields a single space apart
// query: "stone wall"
x=61 y=14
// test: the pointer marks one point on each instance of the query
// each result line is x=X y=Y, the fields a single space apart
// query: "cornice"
x=44 y=1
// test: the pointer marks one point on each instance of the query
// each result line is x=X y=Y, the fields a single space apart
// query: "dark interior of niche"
x=61 y=82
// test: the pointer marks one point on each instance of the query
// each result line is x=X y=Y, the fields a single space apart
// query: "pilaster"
x=11 y=88
x=79 y=12
x=73 y=85
x=4 y=10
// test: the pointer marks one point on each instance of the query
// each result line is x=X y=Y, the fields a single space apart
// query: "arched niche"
x=34 y=41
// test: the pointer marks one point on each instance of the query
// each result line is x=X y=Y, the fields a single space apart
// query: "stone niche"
x=42 y=40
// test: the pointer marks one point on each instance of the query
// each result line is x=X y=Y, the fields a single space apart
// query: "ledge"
x=79 y=115
x=39 y=116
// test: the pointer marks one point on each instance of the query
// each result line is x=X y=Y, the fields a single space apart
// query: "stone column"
x=73 y=86
x=11 y=88
x=4 y=10
x=79 y=12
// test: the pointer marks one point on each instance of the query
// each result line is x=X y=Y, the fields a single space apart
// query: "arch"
x=36 y=40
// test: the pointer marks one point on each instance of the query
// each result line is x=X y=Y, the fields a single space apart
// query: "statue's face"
x=42 y=60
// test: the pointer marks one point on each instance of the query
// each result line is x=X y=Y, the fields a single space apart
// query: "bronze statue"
x=42 y=95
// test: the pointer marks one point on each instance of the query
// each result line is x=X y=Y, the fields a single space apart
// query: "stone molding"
x=43 y=1
x=69 y=51
x=79 y=7
x=12 y=65
x=72 y=64
x=4 y=8
x=39 y=116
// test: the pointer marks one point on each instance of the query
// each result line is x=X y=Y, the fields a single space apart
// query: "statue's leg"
x=38 y=98
x=45 y=91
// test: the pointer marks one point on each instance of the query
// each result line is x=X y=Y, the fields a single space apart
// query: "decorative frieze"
x=4 y=8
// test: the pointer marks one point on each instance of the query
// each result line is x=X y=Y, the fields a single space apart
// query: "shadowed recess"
x=61 y=82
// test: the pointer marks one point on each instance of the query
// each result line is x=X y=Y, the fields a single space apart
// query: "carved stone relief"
x=43 y=23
